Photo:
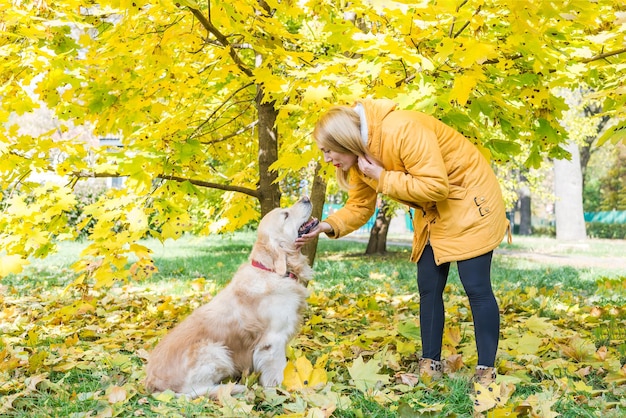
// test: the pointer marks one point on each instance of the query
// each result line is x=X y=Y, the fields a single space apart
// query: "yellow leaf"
x=121 y=361
x=476 y=52
x=503 y=412
x=36 y=361
x=141 y=251
x=165 y=396
x=302 y=374
x=484 y=399
x=539 y=325
x=137 y=220
x=618 y=376
x=365 y=375
x=614 y=134
x=405 y=347
x=463 y=86
x=189 y=3
x=11 y=264
x=529 y=344
x=316 y=94
x=491 y=396
x=452 y=335
x=581 y=386
x=230 y=406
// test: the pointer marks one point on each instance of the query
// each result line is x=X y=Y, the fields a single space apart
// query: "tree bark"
x=525 y=207
x=569 y=214
x=377 y=243
x=318 y=197
x=525 y=224
x=269 y=190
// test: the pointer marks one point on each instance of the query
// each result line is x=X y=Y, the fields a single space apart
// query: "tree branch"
x=451 y=30
x=226 y=137
x=222 y=40
x=603 y=55
x=225 y=187
x=210 y=185
x=456 y=35
x=222 y=104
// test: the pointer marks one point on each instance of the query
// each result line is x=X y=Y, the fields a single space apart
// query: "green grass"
x=592 y=247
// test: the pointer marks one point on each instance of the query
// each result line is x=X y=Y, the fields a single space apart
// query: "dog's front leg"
x=270 y=359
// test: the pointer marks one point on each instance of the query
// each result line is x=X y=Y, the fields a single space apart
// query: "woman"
x=459 y=212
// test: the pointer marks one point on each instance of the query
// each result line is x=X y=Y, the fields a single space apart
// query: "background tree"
x=214 y=101
x=613 y=185
x=585 y=123
x=377 y=243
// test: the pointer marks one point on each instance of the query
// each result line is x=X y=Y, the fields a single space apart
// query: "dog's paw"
x=271 y=380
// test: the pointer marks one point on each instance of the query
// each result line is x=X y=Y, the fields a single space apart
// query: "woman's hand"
x=306 y=238
x=369 y=168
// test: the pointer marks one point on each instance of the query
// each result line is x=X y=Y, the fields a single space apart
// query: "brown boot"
x=484 y=375
x=430 y=369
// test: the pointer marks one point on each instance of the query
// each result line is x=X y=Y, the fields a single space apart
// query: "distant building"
x=113 y=182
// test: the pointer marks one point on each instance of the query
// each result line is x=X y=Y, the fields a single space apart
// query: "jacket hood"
x=375 y=112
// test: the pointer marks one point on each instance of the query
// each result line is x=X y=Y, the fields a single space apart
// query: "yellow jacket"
x=433 y=168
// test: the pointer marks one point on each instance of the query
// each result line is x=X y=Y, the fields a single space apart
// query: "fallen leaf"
x=366 y=376
x=301 y=374
x=453 y=363
x=409 y=379
x=601 y=353
x=116 y=394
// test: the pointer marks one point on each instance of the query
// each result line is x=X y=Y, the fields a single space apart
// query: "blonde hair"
x=339 y=130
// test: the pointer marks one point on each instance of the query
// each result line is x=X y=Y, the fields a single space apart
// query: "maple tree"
x=214 y=101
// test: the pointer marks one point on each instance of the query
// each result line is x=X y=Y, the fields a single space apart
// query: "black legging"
x=475 y=275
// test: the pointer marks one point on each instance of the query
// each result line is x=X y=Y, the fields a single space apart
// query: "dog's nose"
x=305 y=199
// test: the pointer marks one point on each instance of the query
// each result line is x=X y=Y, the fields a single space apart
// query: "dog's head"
x=277 y=233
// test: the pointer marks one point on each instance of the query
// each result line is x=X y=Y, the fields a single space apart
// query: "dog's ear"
x=279 y=256
x=280 y=263
x=271 y=253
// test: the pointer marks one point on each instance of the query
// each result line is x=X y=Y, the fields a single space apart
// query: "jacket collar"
x=374 y=113
x=358 y=108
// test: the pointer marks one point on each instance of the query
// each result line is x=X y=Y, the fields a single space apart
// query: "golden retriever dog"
x=247 y=326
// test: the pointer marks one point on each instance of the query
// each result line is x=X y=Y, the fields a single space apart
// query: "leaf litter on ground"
x=86 y=349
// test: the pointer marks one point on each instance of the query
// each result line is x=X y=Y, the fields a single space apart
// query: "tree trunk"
x=269 y=190
x=570 y=220
x=377 y=243
x=318 y=197
x=525 y=207
x=525 y=223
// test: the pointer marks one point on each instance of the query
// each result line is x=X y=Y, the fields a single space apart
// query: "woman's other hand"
x=370 y=169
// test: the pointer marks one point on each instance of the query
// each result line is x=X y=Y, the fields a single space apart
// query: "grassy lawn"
x=76 y=351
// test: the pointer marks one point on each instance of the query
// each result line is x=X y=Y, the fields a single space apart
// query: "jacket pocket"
x=461 y=212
